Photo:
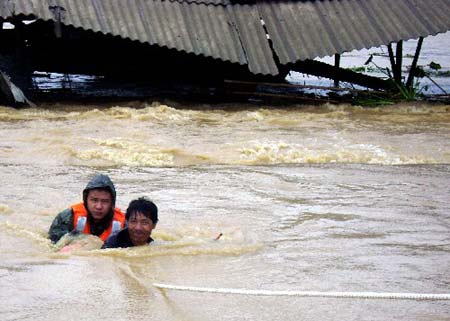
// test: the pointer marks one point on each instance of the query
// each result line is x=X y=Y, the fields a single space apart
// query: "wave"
x=181 y=241
x=158 y=112
x=157 y=135
x=123 y=153
x=282 y=153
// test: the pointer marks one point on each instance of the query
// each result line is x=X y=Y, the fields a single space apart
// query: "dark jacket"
x=121 y=239
x=63 y=222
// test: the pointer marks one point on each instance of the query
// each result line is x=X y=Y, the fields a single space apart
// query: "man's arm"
x=61 y=225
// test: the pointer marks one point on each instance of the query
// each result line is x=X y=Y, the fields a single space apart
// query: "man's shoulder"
x=64 y=217
x=62 y=224
x=115 y=240
x=65 y=214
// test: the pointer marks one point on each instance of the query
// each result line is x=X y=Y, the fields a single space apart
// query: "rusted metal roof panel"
x=308 y=29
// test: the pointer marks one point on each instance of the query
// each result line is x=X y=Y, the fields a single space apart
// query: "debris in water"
x=75 y=241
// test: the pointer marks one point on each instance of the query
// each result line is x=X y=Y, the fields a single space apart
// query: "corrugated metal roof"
x=308 y=29
x=231 y=30
x=212 y=28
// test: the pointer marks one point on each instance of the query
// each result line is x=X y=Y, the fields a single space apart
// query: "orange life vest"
x=81 y=223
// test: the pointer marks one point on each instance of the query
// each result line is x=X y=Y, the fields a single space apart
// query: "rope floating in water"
x=361 y=295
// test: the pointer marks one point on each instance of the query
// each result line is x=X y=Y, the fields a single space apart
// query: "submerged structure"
x=203 y=41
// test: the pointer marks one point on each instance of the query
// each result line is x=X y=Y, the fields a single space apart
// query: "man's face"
x=99 y=203
x=139 y=228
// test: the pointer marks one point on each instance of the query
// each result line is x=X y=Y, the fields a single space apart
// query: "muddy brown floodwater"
x=331 y=198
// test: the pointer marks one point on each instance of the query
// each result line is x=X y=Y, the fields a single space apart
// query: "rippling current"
x=331 y=198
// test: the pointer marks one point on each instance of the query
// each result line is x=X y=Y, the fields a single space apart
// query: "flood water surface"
x=332 y=198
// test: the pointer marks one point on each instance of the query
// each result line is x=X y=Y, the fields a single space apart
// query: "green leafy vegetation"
x=412 y=93
x=443 y=73
x=372 y=100
x=363 y=69
x=435 y=66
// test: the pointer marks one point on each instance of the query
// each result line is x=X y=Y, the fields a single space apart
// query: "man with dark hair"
x=96 y=215
x=141 y=217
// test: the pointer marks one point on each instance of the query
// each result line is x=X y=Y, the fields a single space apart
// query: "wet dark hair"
x=145 y=206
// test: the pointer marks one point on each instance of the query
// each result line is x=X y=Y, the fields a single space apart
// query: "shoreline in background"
x=434 y=49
